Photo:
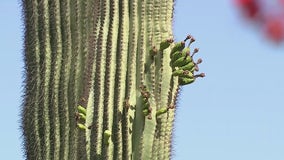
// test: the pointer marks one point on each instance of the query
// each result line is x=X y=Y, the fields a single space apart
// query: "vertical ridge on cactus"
x=102 y=79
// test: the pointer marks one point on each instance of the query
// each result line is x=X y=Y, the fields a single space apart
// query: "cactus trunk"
x=99 y=81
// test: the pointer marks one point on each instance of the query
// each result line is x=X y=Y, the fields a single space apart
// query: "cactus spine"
x=99 y=82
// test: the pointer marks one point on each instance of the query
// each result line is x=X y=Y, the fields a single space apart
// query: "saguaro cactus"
x=102 y=77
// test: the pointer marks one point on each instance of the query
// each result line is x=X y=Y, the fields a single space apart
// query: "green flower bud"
x=81 y=126
x=81 y=109
x=165 y=44
x=161 y=111
x=185 y=81
x=107 y=134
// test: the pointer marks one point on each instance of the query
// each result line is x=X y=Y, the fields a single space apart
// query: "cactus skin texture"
x=99 y=80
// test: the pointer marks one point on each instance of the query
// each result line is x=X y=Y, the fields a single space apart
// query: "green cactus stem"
x=101 y=79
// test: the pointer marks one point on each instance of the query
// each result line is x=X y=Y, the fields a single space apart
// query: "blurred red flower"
x=262 y=13
x=274 y=29
x=250 y=8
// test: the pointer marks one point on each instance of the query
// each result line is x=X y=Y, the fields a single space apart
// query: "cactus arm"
x=130 y=94
x=45 y=67
x=31 y=129
x=138 y=118
x=76 y=69
x=121 y=71
x=164 y=86
x=56 y=59
x=66 y=114
x=170 y=118
x=149 y=81
x=96 y=132
x=107 y=149
x=84 y=55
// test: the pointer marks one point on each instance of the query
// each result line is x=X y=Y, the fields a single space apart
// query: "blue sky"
x=235 y=113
